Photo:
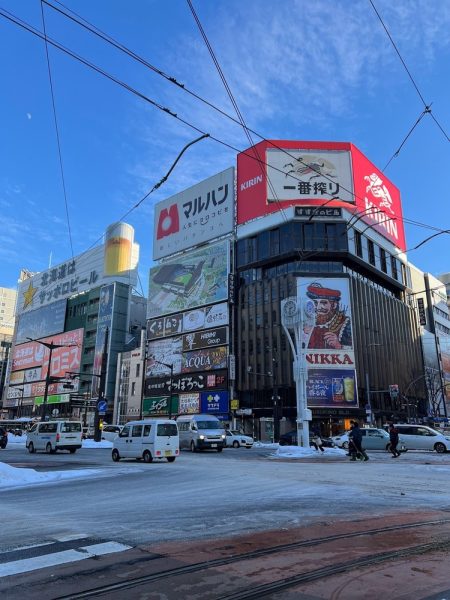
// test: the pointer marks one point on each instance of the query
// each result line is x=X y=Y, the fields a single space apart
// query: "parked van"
x=201 y=432
x=421 y=437
x=51 y=436
x=147 y=439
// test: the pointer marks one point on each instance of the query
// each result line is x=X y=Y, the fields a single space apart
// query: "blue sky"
x=322 y=70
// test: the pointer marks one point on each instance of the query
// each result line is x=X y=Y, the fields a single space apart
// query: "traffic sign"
x=102 y=405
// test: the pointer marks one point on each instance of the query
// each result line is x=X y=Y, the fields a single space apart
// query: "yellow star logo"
x=29 y=295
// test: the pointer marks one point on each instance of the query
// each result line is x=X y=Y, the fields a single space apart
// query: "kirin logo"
x=378 y=190
x=168 y=222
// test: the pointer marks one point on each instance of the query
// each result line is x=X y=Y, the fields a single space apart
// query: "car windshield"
x=208 y=425
x=234 y=432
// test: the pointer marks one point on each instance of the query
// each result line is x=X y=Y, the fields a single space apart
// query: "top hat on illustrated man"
x=332 y=328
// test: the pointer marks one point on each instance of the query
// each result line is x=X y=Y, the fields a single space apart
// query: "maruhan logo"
x=251 y=182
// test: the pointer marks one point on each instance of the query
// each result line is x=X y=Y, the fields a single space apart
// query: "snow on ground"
x=20 y=440
x=299 y=452
x=92 y=444
x=14 y=477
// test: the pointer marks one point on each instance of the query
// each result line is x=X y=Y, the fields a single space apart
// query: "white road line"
x=70 y=537
x=59 y=558
x=27 y=547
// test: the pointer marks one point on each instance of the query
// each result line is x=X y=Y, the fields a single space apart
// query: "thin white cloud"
x=29 y=116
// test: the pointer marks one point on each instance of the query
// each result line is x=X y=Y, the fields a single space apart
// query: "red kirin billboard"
x=275 y=174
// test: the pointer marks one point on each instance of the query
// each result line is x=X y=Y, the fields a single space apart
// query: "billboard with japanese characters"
x=215 y=402
x=116 y=260
x=66 y=355
x=201 y=213
x=161 y=354
x=186 y=382
x=297 y=173
x=195 y=279
x=327 y=336
x=104 y=324
x=41 y=322
x=192 y=320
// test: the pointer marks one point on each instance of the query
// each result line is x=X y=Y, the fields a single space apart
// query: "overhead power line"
x=425 y=111
x=416 y=87
x=110 y=40
x=58 y=141
x=19 y=22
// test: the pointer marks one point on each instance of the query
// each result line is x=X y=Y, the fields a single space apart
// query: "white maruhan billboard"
x=201 y=213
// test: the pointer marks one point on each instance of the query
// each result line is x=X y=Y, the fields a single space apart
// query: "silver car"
x=372 y=439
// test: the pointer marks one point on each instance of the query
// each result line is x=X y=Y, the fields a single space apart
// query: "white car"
x=236 y=439
x=110 y=432
x=372 y=439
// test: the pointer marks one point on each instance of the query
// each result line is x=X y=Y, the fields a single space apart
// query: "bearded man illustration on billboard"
x=332 y=328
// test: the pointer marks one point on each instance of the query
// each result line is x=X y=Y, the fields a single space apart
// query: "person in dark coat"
x=316 y=439
x=393 y=436
x=355 y=437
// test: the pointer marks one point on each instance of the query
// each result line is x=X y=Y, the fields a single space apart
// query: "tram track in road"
x=259 y=591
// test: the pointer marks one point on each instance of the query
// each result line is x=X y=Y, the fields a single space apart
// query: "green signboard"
x=159 y=405
x=54 y=399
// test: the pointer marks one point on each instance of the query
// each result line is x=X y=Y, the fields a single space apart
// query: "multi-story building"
x=69 y=319
x=319 y=220
x=8 y=298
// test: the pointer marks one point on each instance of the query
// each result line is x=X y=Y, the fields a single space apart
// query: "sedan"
x=236 y=439
x=372 y=439
x=110 y=432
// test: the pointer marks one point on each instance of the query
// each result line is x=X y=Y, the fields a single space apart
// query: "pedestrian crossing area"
x=58 y=551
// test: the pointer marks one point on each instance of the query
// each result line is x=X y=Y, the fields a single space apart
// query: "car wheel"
x=193 y=447
x=345 y=445
x=282 y=443
x=72 y=450
x=31 y=449
x=219 y=449
x=236 y=444
x=440 y=448
x=115 y=455
x=171 y=459
x=48 y=448
x=148 y=458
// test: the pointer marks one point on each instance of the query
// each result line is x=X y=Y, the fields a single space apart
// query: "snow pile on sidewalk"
x=11 y=477
x=265 y=445
x=299 y=452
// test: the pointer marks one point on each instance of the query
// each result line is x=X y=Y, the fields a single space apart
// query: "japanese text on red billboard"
x=327 y=337
x=64 y=358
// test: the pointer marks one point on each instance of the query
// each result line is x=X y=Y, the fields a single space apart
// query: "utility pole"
x=48 y=378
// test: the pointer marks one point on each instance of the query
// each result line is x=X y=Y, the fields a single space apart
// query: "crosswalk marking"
x=51 y=559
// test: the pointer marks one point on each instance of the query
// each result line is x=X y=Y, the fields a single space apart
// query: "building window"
x=358 y=244
x=383 y=260
x=138 y=369
x=371 y=249
x=133 y=388
x=394 y=267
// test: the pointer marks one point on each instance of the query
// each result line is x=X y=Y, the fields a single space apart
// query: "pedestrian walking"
x=355 y=441
x=316 y=440
x=393 y=436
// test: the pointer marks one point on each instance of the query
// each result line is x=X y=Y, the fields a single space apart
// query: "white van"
x=201 y=432
x=421 y=437
x=54 y=435
x=147 y=439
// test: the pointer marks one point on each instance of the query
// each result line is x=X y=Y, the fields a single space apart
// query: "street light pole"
x=48 y=379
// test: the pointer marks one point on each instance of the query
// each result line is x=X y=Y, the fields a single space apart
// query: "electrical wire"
x=58 y=141
x=426 y=105
x=426 y=110
x=19 y=22
x=79 y=20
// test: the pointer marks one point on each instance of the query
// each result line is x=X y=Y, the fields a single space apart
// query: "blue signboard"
x=214 y=402
x=41 y=322
x=332 y=387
